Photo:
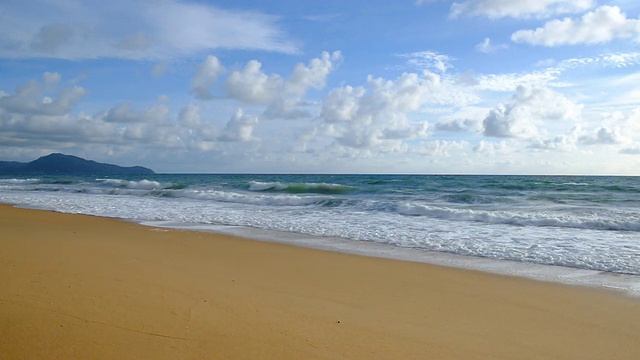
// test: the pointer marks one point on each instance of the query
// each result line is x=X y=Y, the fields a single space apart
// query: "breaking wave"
x=299 y=188
x=582 y=220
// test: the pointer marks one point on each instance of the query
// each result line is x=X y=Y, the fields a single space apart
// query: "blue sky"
x=426 y=86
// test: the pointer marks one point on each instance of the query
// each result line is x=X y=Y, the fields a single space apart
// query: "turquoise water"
x=584 y=223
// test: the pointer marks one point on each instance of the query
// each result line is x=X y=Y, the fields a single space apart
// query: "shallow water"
x=587 y=226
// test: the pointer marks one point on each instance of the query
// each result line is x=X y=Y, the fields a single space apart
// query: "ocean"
x=570 y=229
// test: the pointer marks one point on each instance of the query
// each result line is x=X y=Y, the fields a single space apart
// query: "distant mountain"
x=68 y=164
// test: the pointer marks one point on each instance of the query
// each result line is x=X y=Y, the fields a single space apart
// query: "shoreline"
x=81 y=286
x=625 y=284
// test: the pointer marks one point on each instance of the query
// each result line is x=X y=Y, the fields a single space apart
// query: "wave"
x=470 y=198
x=266 y=200
x=536 y=219
x=47 y=181
x=18 y=181
x=141 y=184
x=299 y=188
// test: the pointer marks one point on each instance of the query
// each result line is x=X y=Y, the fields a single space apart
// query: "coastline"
x=627 y=284
x=77 y=286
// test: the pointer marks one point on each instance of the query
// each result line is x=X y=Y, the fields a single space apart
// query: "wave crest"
x=140 y=185
x=537 y=219
x=299 y=188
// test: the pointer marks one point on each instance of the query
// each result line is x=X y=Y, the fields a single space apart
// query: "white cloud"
x=507 y=122
x=312 y=76
x=562 y=142
x=198 y=133
x=240 y=127
x=631 y=150
x=282 y=96
x=442 y=148
x=614 y=60
x=487 y=47
x=39 y=113
x=511 y=81
x=376 y=118
x=603 y=136
x=528 y=108
x=132 y=30
x=124 y=113
x=621 y=60
x=286 y=109
x=253 y=86
x=189 y=117
x=468 y=118
x=429 y=60
x=29 y=118
x=495 y=9
x=551 y=75
x=206 y=77
x=602 y=25
x=31 y=98
x=614 y=129
x=492 y=149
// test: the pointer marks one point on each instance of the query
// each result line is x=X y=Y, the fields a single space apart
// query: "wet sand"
x=82 y=287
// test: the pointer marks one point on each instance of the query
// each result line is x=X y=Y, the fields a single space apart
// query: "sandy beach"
x=82 y=287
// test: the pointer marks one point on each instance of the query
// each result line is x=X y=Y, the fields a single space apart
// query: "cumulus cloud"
x=615 y=129
x=150 y=30
x=376 y=117
x=459 y=125
x=313 y=75
x=562 y=142
x=282 y=96
x=602 y=25
x=528 y=108
x=468 y=118
x=29 y=117
x=602 y=136
x=240 y=127
x=206 y=77
x=506 y=122
x=495 y=9
x=125 y=113
x=253 y=86
x=43 y=112
x=31 y=98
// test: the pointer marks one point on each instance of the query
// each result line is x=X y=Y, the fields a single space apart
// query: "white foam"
x=600 y=220
x=262 y=186
x=628 y=284
x=587 y=249
x=142 y=184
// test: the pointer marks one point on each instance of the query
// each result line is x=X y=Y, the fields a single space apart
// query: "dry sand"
x=81 y=287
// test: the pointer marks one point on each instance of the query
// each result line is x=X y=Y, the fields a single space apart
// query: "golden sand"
x=82 y=287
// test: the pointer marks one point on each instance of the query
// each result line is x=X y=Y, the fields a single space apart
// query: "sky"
x=294 y=86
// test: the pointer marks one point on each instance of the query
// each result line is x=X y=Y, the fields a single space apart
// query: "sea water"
x=583 y=230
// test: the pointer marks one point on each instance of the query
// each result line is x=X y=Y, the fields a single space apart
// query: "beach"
x=86 y=287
